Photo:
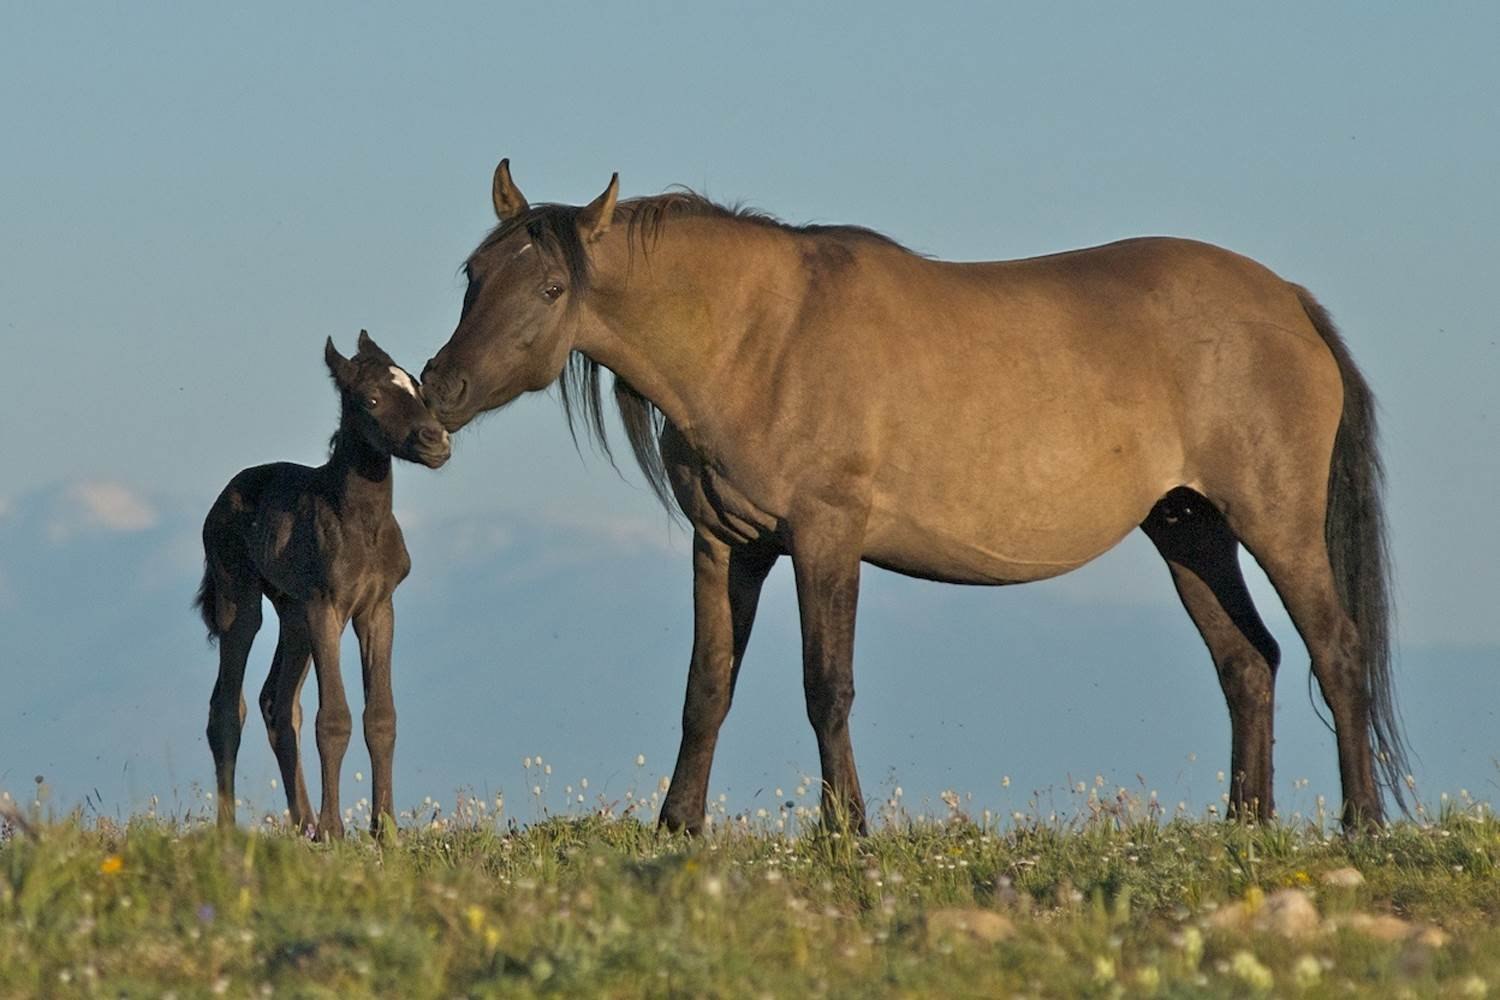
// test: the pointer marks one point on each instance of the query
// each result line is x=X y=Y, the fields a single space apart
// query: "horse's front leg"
x=375 y=629
x=324 y=625
x=726 y=590
x=825 y=559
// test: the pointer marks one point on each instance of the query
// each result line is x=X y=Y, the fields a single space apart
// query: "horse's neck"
x=361 y=476
x=669 y=326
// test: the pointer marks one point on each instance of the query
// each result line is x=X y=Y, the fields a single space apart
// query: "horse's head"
x=521 y=310
x=384 y=405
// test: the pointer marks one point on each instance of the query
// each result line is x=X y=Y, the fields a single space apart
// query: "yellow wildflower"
x=475 y=917
x=112 y=865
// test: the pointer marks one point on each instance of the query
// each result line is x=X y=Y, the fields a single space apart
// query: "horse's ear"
x=509 y=201
x=338 y=365
x=594 y=220
x=367 y=346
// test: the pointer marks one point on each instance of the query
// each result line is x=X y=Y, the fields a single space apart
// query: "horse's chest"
x=366 y=568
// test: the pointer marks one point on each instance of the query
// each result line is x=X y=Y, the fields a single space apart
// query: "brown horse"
x=821 y=391
x=323 y=545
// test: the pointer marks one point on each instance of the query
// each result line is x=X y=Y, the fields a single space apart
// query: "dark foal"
x=324 y=547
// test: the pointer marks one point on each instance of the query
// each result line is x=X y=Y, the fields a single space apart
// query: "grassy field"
x=1116 y=902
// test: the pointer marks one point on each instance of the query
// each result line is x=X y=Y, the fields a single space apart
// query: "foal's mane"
x=553 y=229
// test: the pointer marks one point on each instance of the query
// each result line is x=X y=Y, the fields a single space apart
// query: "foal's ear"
x=338 y=365
x=596 y=216
x=368 y=348
x=508 y=199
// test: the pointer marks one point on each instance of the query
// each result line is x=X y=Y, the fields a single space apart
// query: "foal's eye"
x=371 y=402
x=552 y=291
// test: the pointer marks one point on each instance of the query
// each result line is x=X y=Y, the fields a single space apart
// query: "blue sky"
x=192 y=199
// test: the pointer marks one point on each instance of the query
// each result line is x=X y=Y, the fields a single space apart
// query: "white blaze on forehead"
x=403 y=380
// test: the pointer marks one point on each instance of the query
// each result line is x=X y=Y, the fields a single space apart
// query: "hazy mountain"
x=527 y=635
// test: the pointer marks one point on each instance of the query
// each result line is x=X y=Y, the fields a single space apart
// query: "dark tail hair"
x=207 y=603
x=1357 y=549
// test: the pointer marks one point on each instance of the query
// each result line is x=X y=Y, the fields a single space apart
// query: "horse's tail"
x=1355 y=534
x=224 y=556
x=207 y=602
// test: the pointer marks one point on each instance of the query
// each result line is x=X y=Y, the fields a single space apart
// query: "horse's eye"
x=552 y=291
x=371 y=402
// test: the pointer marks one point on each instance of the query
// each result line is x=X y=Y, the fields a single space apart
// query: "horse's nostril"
x=441 y=391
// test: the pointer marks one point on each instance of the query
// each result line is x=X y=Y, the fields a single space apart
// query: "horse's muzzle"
x=445 y=396
x=432 y=446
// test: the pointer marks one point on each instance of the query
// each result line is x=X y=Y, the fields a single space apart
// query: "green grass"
x=1108 y=905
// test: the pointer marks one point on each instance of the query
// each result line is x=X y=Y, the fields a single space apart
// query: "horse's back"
x=1031 y=412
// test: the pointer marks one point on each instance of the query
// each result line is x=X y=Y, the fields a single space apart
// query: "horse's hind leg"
x=1203 y=555
x=1290 y=547
x=281 y=708
x=226 y=706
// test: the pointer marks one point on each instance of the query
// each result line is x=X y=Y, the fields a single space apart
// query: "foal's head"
x=383 y=405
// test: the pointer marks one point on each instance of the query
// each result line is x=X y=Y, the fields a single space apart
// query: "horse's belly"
x=927 y=551
x=962 y=564
x=1001 y=535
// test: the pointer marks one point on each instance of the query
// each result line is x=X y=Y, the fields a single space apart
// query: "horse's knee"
x=829 y=705
x=334 y=725
x=1338 y=663
x=1248 y=680
x=380 y=729
x=223 y=730
x=267 y=703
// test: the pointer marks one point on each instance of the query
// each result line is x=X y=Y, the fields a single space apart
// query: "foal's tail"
x=1357 y=550
x=207 y=602
x=224 y=557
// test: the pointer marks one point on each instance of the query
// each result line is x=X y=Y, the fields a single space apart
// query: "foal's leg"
x=825 y=560
x=334 y=723
x=281 y=707
x=375 y=630
x=1203 y=555
x=226 y=706
x=726 y=590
